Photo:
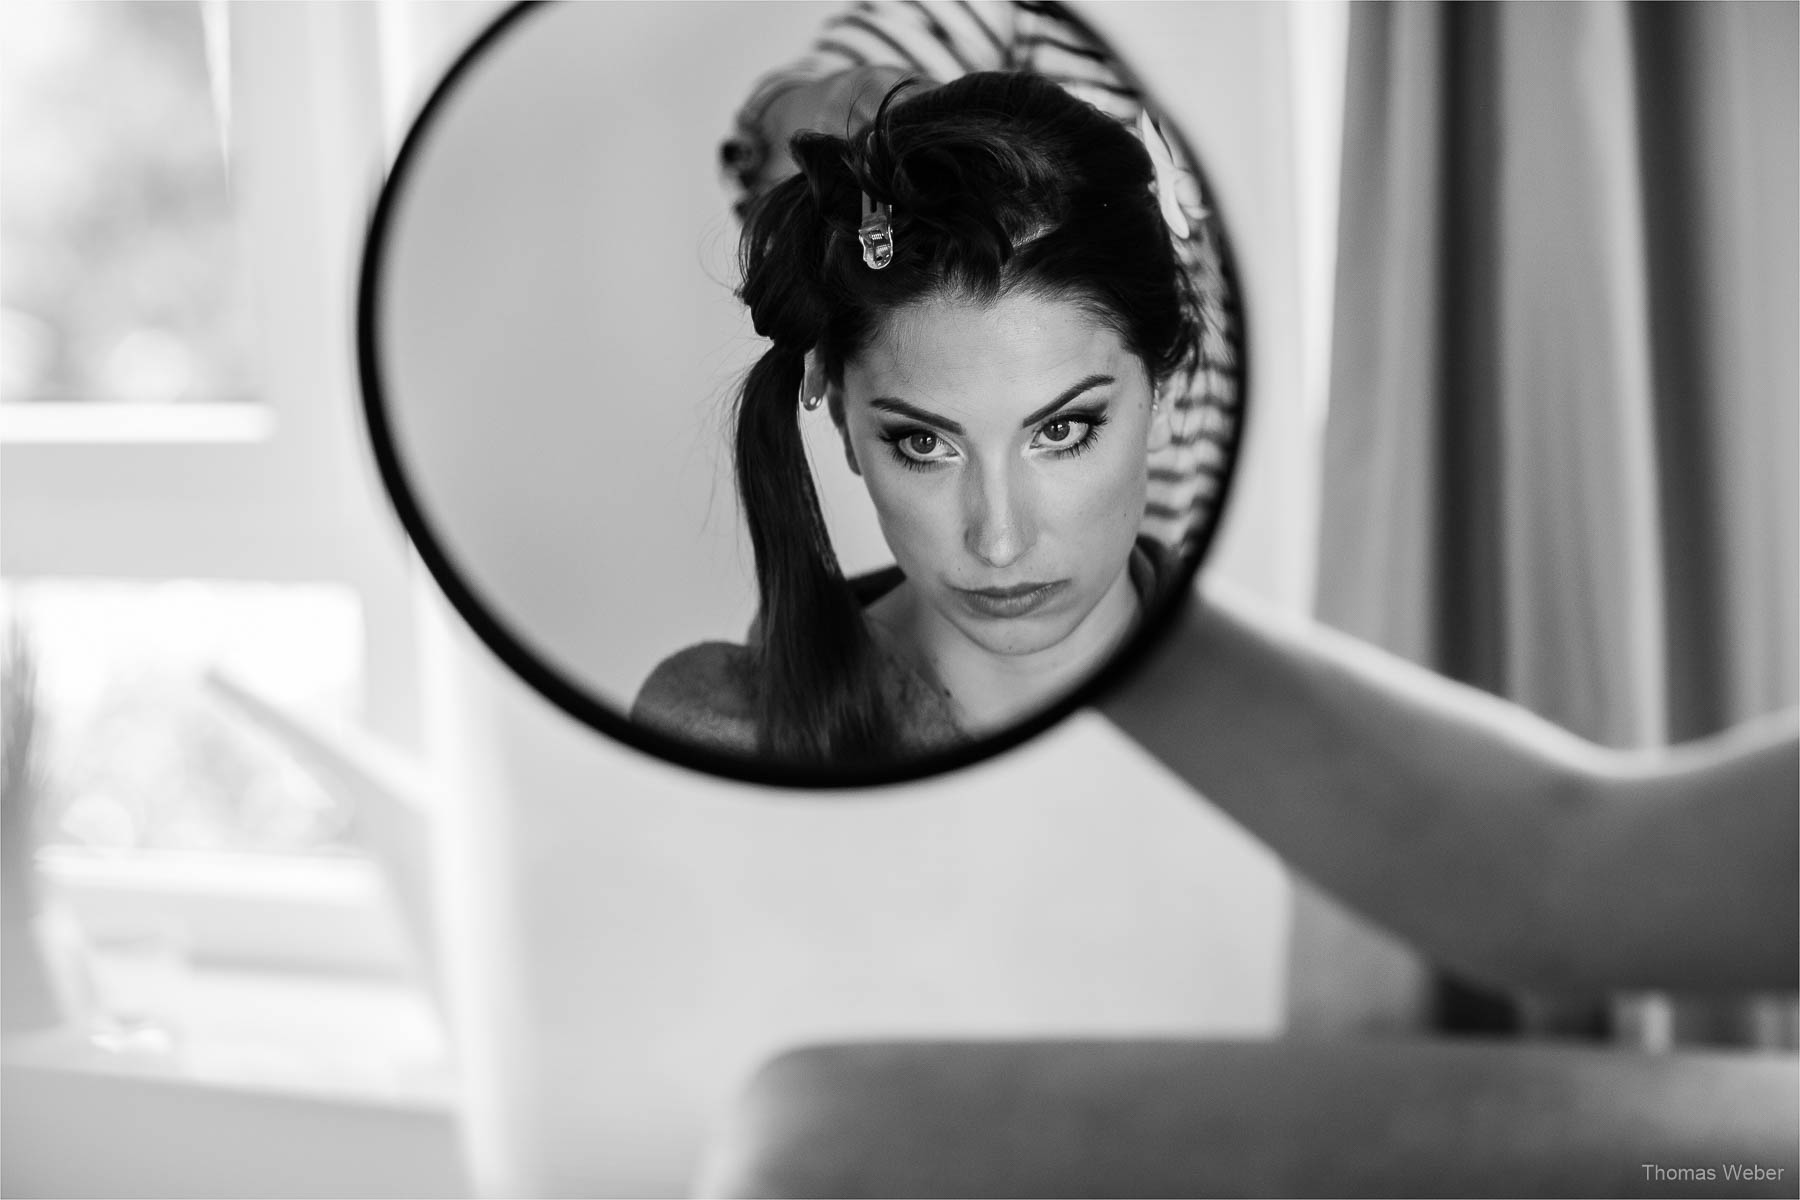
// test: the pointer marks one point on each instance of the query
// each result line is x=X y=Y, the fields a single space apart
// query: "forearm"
x=1496 y=842
x=1694 y=877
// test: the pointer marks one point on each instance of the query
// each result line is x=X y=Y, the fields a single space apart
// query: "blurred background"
x=305 y=895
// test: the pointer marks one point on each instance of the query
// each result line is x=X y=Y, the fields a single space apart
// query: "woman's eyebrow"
x=1092 y=381
x=902 y=408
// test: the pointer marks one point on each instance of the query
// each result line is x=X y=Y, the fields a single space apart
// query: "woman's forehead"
x=966 y=358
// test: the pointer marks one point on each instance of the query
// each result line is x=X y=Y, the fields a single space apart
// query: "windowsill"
x=116 y=423
x=331 y=878
x=323 y=915
x=231 y=1002
x=331 y=1040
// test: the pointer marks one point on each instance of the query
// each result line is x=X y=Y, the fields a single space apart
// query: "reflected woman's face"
x=1004 y=446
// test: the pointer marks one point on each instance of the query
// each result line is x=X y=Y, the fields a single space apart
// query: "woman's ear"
x=834 y=402
x=1162 y=429
x=816 y=384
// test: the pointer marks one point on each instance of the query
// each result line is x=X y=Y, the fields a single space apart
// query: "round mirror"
x=553 y=353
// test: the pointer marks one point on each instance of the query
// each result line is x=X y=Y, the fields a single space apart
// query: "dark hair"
x=999 y=183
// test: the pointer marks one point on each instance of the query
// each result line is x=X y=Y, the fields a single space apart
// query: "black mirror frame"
x=571 y=697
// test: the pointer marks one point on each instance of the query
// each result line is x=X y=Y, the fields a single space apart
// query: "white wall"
x=627 y=940
x=559 y=337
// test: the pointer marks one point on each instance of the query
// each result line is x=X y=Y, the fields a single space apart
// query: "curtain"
x=1562 y=440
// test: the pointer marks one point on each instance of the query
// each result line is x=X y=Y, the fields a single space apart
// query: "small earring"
x=811 y=403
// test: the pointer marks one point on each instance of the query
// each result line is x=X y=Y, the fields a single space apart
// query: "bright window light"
x=139 y=754
x=120 y=278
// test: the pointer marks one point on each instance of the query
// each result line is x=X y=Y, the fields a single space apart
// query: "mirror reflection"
x=838 y=391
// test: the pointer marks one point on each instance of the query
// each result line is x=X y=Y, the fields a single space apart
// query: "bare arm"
x=1497 y=843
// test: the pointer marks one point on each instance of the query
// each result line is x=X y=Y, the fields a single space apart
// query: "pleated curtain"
x=1562 y=442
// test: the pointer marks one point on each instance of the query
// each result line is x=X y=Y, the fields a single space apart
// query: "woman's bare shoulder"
x=705 y=694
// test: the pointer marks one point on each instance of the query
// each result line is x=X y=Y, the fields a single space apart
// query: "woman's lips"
x=1014 y=601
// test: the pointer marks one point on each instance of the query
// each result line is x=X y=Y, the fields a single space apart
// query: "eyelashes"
x=914 y=449
x=1069 y=434
x=1069 y=444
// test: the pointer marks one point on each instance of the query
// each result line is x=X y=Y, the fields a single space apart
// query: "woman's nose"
x=999 y=528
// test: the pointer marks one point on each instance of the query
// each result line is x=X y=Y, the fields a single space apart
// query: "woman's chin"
x=1018 y=637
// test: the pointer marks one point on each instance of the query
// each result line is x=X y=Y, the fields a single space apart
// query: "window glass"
x=139 y=752
x=119 y=273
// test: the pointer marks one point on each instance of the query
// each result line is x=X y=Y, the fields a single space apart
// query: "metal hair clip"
x=876 y=233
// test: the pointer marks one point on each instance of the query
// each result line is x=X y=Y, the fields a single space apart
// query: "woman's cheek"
x=1110 y=493
x=907 y=509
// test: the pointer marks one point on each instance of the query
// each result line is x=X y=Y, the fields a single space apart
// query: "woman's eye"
x=1063 y=432
x=922 y=446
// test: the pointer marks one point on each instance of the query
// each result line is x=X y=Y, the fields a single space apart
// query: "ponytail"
x=818 y=694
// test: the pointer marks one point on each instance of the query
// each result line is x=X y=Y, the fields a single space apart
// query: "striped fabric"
x=948 y=38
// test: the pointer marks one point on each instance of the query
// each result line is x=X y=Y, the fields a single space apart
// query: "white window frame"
x=284 y=490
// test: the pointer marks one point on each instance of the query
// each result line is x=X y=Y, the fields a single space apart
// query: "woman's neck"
x=989 y=691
